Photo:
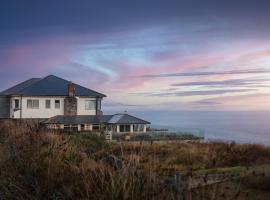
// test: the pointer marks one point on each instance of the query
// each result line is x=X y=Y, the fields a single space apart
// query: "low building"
x=64 y=105
x=118 y=123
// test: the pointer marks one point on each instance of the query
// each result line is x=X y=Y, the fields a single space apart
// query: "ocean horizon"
x=238 y=126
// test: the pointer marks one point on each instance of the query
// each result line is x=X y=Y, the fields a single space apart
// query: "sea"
x=229 y=126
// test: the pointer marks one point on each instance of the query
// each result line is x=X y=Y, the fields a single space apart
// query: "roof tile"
x=49 y=86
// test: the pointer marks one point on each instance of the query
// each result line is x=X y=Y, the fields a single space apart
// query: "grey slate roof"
x=93 y=119
x=126 y=119
x=78 y=119
x=49 y=86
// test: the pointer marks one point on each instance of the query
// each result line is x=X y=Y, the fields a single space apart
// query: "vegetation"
x=41 y=164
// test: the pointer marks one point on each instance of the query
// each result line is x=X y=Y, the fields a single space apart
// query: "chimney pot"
x=71 y=89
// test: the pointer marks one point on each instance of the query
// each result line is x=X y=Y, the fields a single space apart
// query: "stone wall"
x=70 y=106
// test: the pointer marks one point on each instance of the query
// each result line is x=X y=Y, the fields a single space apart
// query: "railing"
x=158 y=135
x=191 y=134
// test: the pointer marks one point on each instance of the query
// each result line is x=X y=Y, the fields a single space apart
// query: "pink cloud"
x=37 y=57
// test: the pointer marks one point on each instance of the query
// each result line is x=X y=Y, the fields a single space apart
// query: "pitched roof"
x=49 y=86
x=126 y=119
x=93 y=119
x=78 y=119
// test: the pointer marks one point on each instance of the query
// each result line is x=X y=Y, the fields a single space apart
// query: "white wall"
x=43 y=112
x=81 y=106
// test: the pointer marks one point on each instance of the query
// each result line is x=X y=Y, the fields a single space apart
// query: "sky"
x=144 y=55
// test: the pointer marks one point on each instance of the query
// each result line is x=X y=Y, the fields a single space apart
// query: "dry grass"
x=46 y=165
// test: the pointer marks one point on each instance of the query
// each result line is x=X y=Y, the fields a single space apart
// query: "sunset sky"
x=144 y=54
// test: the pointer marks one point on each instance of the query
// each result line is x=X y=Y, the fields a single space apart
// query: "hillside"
x=37 y=164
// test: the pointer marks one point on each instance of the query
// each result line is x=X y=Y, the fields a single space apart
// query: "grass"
x=40 y=164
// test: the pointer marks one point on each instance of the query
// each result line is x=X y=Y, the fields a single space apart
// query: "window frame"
x=123 y=128
x=96 y=127
x=138 y=127
x=88 y=106
x=55 y=103
x=30 y=104
x=15 y=102
x=46 y=105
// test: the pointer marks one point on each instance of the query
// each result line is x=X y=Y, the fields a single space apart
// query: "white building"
x=42 y=98
x=63 y=104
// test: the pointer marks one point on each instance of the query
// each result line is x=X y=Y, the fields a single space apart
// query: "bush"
x=257 y=182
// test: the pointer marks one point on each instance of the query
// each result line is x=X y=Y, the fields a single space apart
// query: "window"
x=138 y=128
x=90 y=105
x=124 y=128
x=16 y=103
x=96 y=127
x=99 y=104
x=47 y=104
x=87 y=127
x=32 y=103
x=57 y=104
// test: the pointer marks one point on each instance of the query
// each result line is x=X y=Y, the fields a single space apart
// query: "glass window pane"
x=35 y=104
x=48 y=104
x=57 y=103
x=96 y=127
x=90 y=105
x=135 y=128
x=29 y=103
x=127 y=127
x=16 y=103
x=122 y=128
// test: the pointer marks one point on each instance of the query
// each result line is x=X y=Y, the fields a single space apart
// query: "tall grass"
x=41 y=164
x=49 y=165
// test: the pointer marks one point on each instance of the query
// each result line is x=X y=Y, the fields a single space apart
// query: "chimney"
x=70 y=102
x=71 y=89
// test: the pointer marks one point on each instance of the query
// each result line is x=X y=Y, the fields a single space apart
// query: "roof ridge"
x=40 y=79
x=90 y=89
x=76 y=84
x=31 y=86
x=115 y=115
x=122 y=115
x=136 y=117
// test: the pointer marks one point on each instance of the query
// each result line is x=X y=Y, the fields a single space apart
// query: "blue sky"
x=157 y=55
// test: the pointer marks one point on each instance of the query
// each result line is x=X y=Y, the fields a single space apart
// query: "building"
x=117 y=123
x=62 y=104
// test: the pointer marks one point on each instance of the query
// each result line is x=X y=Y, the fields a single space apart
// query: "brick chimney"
x=71 y=89
x=70 y=102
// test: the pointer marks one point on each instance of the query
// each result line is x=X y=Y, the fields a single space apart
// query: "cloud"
x=195 y=93
x=80 y=73
x=231 y=72
x=207 y=102
x=118 y=104
x=229 y=82
x=258 y=101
